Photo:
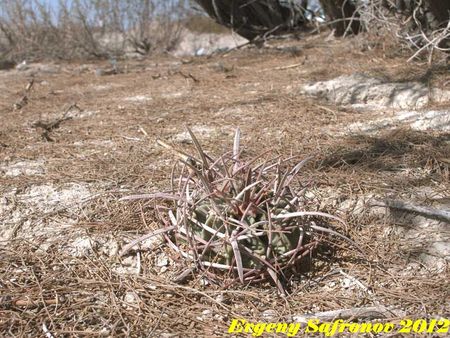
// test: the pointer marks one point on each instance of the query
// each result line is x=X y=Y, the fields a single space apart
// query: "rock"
x=49 y=69
x=206 y=313
x=364 y=92
x=162 y=261
x=81 y=247
x=105 y=72
x=129 y=261
x=270 y=315
x=416 y=120
x=138 y=98
x=200 y=44
x=22 y=66
x=441 y=249
x=110 y=248
x=46 y=197
x=82 y=69
x=130 y=300
x=346 y=283
x=199 y=131
x=25 y=168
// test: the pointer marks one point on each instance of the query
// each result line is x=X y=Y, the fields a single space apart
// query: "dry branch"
x=344 y=16
x=429 y=212
x=23 y=101
x=370 y=312
x=48 y=126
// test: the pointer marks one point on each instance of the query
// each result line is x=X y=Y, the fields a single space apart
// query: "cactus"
x=236 y=219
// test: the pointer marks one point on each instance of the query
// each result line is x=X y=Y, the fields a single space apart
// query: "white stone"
x=81 y=247
x=270 y=315
x=130 y=298
x=25 y=168
x=199 y=131
x=162 y=260
x=199 y=44
x=364 y=92
x=206 y=313
x=138 y=98
x=417 y=120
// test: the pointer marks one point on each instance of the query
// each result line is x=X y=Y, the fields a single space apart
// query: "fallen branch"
x=54 y=124
x=284 y=67
x=184 y=276
x=188 y=76
x=29 y=303
x=372 y=312
x=442 y=215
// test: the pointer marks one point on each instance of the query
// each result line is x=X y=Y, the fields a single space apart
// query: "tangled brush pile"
x=237 y=220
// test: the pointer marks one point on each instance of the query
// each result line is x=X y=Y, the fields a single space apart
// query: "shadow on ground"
x=396 y=150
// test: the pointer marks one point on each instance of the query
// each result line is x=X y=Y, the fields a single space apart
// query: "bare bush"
x=343 y=14
x=149 y=30
x=31 y=29
x=423 y=26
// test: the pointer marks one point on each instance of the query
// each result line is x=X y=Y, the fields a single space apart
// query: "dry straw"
x=238 y=221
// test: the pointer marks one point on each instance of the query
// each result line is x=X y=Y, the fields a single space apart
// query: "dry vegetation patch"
x=72 y=282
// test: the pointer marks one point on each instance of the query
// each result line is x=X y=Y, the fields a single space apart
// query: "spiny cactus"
x=237 y=220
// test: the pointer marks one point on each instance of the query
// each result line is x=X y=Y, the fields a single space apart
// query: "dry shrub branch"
x=30 y=29
x=423 y=26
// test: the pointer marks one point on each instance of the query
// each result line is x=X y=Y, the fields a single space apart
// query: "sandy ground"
x=84 y=138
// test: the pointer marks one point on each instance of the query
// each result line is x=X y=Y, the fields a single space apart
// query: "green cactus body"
x=233 y=210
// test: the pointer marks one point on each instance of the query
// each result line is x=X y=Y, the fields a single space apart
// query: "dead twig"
x=23 y=101
x=285 y=67
x=29 y=303
x=188 y=76
x=442 y=215
x=372 y=312
x=49 y=126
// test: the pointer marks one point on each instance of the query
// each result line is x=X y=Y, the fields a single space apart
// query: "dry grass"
x=109 y=145
x=82 y=296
